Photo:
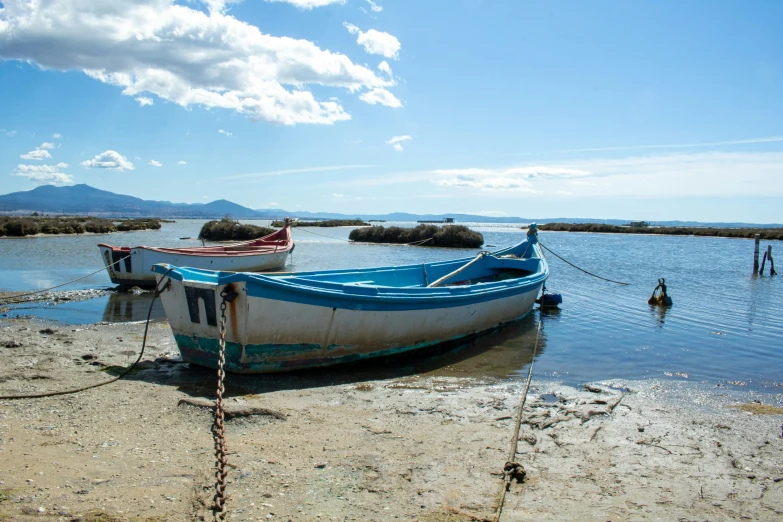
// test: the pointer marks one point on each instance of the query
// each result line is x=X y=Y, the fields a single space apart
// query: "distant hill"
x=84 y=199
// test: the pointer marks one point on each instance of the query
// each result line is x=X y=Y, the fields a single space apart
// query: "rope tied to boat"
x=219 y=428
x=11 y=299
x=580 y=269
x=513 y=470
x=129 y=369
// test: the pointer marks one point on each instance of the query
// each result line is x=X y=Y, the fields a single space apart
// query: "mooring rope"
x=118 y=377
x=17 y=296
x=581 y=269
x=512 y=468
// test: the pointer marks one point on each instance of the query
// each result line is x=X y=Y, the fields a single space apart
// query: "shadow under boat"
x=498 y=355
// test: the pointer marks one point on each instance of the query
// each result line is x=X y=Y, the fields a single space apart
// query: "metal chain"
x=219 y=429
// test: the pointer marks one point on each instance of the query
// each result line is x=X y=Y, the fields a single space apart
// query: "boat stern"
x=194 y=309
x=124 y=266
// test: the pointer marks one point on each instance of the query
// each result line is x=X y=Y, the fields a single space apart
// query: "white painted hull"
x=142 y=259
x=268 y=335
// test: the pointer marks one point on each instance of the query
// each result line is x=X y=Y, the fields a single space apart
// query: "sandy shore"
x=350 y=447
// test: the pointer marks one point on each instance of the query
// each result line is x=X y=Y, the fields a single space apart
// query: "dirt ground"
x=352 y=447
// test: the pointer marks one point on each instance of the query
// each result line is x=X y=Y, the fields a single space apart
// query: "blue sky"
x=610 y=109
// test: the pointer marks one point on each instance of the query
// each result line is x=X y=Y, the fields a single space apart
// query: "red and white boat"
x=132 y=266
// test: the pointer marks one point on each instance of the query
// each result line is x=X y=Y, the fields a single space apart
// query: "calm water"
x=725 y=326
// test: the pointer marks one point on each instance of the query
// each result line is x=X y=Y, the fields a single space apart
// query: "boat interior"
x=507 y=265
x=488 y=269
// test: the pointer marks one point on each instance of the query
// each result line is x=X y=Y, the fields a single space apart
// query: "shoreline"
x=352 y=446
x=767 y=234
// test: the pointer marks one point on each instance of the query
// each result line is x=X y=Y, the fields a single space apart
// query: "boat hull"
x=321 y=336
x=132 y=266
x=137 y=269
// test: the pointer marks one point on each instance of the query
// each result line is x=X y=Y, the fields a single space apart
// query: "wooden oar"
x=457 y=271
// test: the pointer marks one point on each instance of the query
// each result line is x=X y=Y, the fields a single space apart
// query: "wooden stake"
x=771 y=261
x=756 y=254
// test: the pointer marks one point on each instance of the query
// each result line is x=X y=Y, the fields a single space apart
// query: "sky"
x=606 y=109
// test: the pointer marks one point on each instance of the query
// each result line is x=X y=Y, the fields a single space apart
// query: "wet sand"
x=352 y=446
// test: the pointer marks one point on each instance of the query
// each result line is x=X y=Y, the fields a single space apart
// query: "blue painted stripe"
x=389 y=288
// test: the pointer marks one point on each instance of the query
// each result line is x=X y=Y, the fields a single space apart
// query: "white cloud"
x=339 y=195
x=155 y=163
x=381 y=96
x=46 y=145
x=385 y=67
x=708 y=174
x=44 y=174
x=683 y=174
x=260 y=176
x=37 y=154
x=9 y=133
x=510 y=179
x=750 y=141
x=109 y=160
x=273 y=203
x=183 y=55
x=143 y=100
x=57 y=135
x=375 y=42
x=182 y=162
x=225 y=133
x=396 y=142
x=375 y=7
x=488 y=213
x=308 y=5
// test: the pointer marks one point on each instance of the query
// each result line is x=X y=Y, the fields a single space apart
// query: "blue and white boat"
x=284 y=322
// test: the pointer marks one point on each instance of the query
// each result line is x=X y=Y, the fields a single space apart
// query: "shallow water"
x=726 y=327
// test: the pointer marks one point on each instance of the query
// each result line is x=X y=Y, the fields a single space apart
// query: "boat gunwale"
x=349 y=291
x=272 y=247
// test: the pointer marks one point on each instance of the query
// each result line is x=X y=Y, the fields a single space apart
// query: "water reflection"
x=550 y=312
x=658 y=313
x=498 y=355
x=124 y=307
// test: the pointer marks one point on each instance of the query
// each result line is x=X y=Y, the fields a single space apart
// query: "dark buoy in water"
x=550 y=300
x=659 y=295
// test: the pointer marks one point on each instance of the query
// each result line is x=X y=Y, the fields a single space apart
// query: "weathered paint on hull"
x=141 y=261
x=265 y=335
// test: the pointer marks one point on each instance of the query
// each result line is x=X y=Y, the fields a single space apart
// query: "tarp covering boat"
x=132 y=266
x=311 y=319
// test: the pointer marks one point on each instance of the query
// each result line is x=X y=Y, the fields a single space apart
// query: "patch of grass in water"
x=228 y=229
x=453 y=236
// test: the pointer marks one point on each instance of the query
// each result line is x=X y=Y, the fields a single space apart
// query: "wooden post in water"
x=771 y=261
x=756 y=254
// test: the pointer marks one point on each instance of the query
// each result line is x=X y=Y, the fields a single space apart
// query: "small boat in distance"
x=132 y=266
x=282 y=322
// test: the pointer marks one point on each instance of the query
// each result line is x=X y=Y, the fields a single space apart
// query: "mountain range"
x=84 y=199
